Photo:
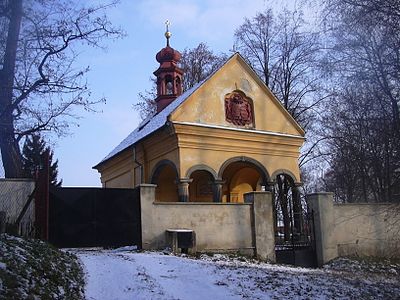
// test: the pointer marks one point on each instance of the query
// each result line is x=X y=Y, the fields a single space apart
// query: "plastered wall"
x=367 y=229
x=361 y=229
x=218 y=226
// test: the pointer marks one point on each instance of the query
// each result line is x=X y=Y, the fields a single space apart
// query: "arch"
x=263 y=171
x=201 y=186
x=201 y=167
x=165 y=176
x=240 y=175
x=288 y=210
x=158 y=167
x=285 y=172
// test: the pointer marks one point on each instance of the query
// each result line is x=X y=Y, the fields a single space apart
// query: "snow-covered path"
x=152 y=275
x=149 y=276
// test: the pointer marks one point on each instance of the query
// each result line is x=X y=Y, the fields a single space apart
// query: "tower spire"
x=169 y=75
x=167 y=32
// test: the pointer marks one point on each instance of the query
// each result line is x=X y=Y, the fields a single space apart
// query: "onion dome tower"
x=169 y=75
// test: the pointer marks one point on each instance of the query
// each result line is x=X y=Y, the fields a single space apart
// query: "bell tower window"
x=169 y=86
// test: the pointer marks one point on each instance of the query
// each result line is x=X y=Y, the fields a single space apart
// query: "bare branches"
x=284 y=54
x=198 y=63
x=46 y=85
x=365 y=112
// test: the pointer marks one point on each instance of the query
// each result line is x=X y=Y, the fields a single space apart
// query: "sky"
x=124 y=69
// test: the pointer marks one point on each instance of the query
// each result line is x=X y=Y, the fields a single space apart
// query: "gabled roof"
x=155 y=122
x=151 y=124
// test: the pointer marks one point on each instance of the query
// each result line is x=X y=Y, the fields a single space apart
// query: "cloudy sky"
x=124 y=69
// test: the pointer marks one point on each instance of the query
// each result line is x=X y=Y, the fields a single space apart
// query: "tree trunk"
x=10 y=152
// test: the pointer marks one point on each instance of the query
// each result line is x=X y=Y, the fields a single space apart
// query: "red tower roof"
x=168 y=54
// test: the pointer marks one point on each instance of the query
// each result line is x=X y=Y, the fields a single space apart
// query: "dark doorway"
x=94 y=217
x=294 y=226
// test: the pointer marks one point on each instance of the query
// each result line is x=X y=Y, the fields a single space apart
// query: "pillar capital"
x=184 y=180
x=219 y=181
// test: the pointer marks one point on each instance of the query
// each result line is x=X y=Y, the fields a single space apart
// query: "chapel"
x=224 y=137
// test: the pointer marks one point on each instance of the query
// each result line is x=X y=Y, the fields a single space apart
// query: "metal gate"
x=93 y=217
x=294 y=228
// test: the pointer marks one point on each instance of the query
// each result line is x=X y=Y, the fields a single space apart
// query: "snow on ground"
x=122 y=275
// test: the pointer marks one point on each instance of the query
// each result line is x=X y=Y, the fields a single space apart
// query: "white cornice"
x=240 y=129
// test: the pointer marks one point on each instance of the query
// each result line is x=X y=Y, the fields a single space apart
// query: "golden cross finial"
x=167 y=23
x=167 y=32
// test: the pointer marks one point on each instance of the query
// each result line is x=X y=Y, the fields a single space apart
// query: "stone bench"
x=180 y=238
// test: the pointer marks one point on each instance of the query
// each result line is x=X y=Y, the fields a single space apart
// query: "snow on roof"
x=149 y=126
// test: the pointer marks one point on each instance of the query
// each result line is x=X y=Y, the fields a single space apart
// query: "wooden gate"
x=93 y=217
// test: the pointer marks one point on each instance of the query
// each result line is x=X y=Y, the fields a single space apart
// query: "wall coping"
x=17 y=180
x=202 y=203
x=367 y=203
x=258 y=192
x=320 y=193
x=148 y=185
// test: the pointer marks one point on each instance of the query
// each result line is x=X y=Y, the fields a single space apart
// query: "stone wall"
x=243 y=227
x=362 y=229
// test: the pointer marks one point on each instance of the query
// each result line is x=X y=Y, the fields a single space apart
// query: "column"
x=183 y=189
x=217 y=190
x=269 y=186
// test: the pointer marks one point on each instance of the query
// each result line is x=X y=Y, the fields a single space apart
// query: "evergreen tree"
x=35 y=152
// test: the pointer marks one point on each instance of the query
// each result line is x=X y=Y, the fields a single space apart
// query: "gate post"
x=321 y=204
x=147 y=197
x=262 y=224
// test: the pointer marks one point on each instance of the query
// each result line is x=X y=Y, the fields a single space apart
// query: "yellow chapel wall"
x=125 y=169
x=119 y=171
x=212 y=147
x=206 y=104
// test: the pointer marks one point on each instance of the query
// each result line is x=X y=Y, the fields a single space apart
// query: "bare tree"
x=364 y=64
x=198 y=63
x=285 y=55
x=39 y=83
x=365 y=45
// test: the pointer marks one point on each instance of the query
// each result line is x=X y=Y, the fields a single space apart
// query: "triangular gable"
x=206 y=104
